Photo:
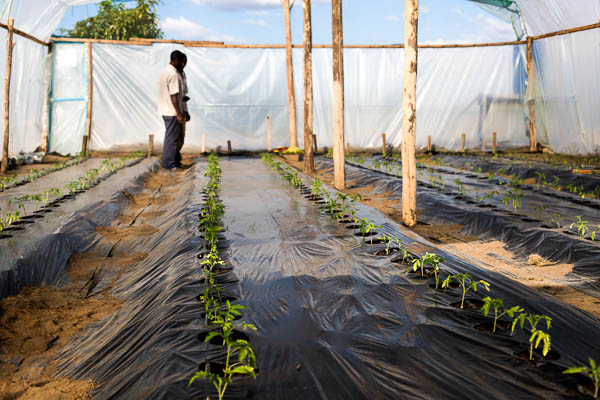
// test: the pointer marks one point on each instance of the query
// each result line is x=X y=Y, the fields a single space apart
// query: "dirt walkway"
x=38 y=322
x=533 y=272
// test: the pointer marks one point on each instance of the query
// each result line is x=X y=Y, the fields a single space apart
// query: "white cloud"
x=184 y=29
x=257 y=22
x=479 y=28
x=256 y=12
x=234 y=5
x=423 y=10
x=392 y=18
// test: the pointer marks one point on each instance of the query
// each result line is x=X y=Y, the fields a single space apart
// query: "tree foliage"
x=114 y=21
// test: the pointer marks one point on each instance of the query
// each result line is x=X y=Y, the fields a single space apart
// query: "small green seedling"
x=434 y=260
x=557 y=219
x=466 y=282
x=537 y=335
x=541 y=180
x=593 y=372
x=499 y=310
x=581 y=225
x=389 y=240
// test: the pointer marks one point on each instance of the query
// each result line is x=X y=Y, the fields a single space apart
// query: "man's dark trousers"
x=172 y=133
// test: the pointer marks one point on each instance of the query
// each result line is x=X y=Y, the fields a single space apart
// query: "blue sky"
x=365 y=21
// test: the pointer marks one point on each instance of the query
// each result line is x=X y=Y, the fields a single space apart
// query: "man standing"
x=170 y=107
x=186 y=114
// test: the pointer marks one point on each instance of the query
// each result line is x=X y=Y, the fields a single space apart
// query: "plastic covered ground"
x=334 y=320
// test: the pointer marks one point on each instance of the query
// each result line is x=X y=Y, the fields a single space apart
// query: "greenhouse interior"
x=412 y=220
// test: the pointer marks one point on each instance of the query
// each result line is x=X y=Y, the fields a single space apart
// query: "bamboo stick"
x=290 y=73
x=494 y=142
x=463 y=138
x=88 y=126
x=429 y=143
x=229 y=151
x=567 y=31
x=7 y=76
x=204 y=143
x=409 y=114
x=269 y=147
x=531 y=90
x=315 y=143
x=150 y=145
x=309 y=158
x=84 y=145
x=339 y=166
x=384 y=146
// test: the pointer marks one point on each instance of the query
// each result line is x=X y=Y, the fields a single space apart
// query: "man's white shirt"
x=169 y=83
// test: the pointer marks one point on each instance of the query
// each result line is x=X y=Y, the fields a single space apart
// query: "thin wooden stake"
x=409 y=114
x=204 y=143
x=9 y=51
x=150 y=145
x=315 y=143
x=339 y=167
x=347 y=148
x=384 y=146
x=429 y=143
x=463 y=138
x=309 y=157
x=84 y=145
x=229 y=147
x=531 y=91
x=290 y=73
x=88 y=126
x=494 y=142
x=269 y=147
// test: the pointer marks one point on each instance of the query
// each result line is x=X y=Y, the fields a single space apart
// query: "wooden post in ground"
x=229 y=147
x=531 y=92
x=204 y=143
x=290 y=72
x=339 y=167
x=463 y=138
x=150 y=145
x=269 y=147
x=315 y=143
x=45 y=134
x=347 y=148
x=429 y=143
x=7 y=75
x=409 y=114
x=88 y=126
x=384 y=146
x=84 y=145
x=309 y=158
x=494 y=142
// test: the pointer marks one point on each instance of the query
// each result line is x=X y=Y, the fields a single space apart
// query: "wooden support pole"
x=463 y=138
x=290 y=72
x=309 y=157
x=7 y=75
x=204 y=143
x=347 y=148
x=531 y=93
x=429 y=143
x=315 y=143
x=494 y=142
x=269 y=147
x=150 y=145
x=84 y=145
x=229 y=151
x=88 y=125
x=383 y=146
x=339 y=166
x=409 y=114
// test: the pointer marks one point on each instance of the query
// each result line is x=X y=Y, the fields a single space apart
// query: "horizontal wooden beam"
x=25 y=35
x=184 y=42
x=567 y=31
x=102 y=41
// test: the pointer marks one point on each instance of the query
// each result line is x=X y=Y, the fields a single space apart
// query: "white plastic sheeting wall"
x=567 y=101
x=544 y=16
x=471 y=90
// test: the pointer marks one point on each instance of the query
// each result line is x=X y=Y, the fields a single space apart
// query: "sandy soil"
x=533 y=272
x=38 y=322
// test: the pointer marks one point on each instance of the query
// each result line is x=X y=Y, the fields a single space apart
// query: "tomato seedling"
x=466 y=282
x=593 y=372
x=499 y=310
x=537 y=335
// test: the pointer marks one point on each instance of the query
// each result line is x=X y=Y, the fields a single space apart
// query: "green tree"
x=114 y=21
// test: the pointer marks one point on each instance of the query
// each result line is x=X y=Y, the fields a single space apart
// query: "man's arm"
x=177 y=110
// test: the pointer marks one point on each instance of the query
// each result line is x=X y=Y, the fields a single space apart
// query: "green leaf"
x=574 y=370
